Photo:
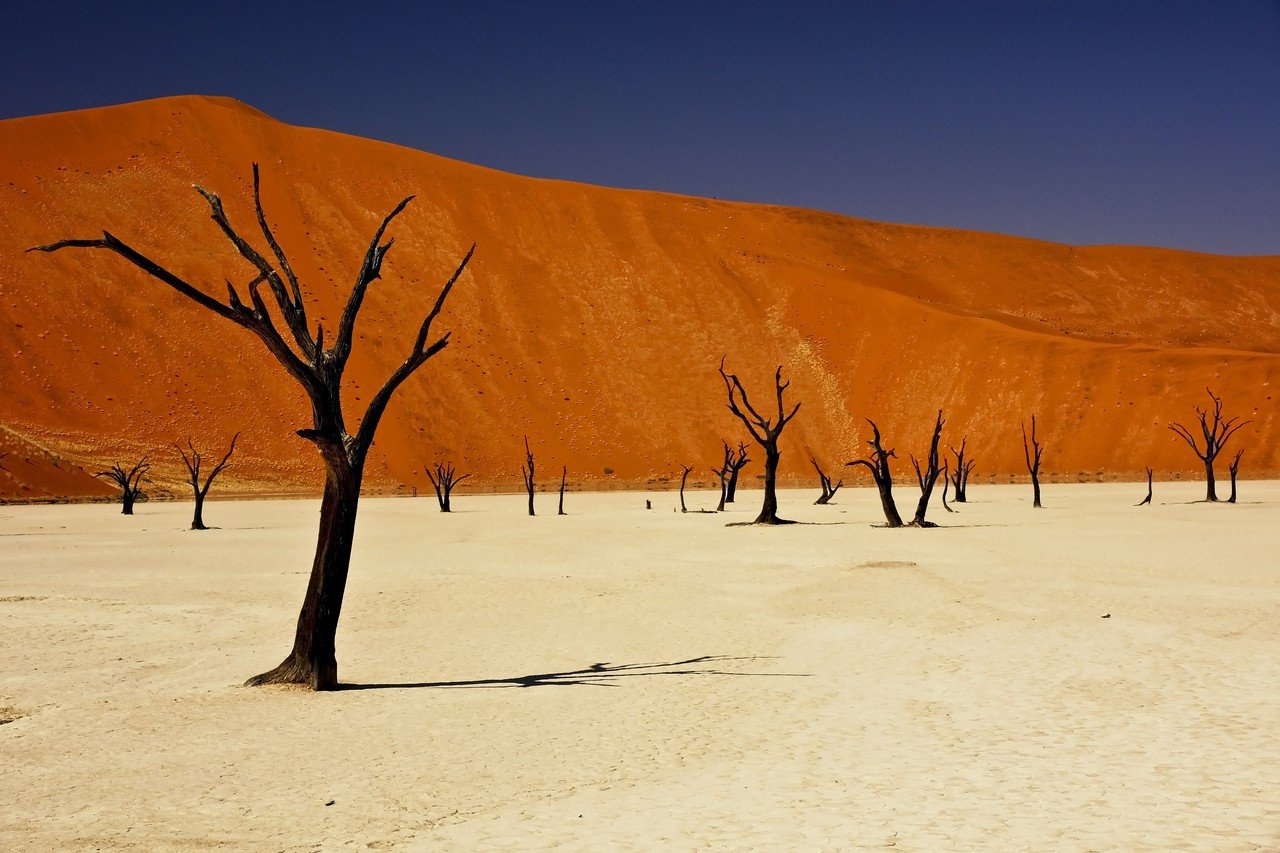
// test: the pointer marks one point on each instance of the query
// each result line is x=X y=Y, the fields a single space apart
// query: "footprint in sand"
x=886 y=564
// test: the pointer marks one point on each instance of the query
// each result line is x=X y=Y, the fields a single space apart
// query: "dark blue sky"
x=1154 y=123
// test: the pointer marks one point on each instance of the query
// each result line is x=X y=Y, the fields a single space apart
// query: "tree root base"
x=296 y=670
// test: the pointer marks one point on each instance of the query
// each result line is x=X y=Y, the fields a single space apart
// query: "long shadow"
x=596 y=675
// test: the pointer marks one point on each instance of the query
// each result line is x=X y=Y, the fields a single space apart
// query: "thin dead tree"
x=765 y=431
x=877 y=462
x=824 y=482
x=193 y=463
x=960 y=475
x=527 y=473
x=739 y=462
x=946 y=482
x=927 y=476
x=319 y=370
x=130 y=483
x=1216 y=433
x=1150 y=479
x=684 y=477
x=724 y=472
x=443 y=481
x=1032 y=455
x=1234 y=468
x=564 y=473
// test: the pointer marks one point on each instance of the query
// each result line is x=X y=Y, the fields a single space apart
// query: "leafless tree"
x=130 y=483
x=723 y=473
x=927 y=476
x=684 y=477
x=1032 y=454
x=1216 y=432
x=564 y=473
x=960 y=475
x=193 y=462
x=739 y=462
x=319 y=371
x=878 y=464
x=946 y=482
x=527 y=473
x=443 y=481
x=1235 y=469
x=1147 y=500
x=765 y=431
x=824 y=482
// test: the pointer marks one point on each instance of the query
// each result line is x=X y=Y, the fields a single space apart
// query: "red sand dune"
x=592 y=319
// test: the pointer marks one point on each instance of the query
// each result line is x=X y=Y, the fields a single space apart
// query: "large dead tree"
x=824 y=482
x=193 y=463
x=318 y=369
x=960 y=475
x=527 y=473
x=1216 y=432
x=765 y=431
x=1032 y=453
x=443 y=481
x=1147 y=500
x=927 y=476
x=684 y=478
x=130 y=483
x=877 y=462
x=739 y=462
x=1234 y=468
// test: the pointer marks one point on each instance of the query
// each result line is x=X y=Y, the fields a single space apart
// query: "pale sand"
x=947 y=689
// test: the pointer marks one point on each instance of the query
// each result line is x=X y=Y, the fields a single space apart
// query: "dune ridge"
x=592 y=319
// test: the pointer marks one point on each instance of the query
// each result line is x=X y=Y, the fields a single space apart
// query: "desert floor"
x=621 y=678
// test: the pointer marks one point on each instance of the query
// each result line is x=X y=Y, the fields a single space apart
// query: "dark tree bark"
x=946 y=482
x=878 y=464
x=443 y=481
x=684 y=476
x=960 y=475
x=130 y=483
x=766 y=432
x=1147 y=500
x=724 y=472
x=1032 y=455
x=527 y=473
x=193 y=463
x=564 y=473
x=824 y=482
x=927 y=476
x=1235 y=469
x=319 y=371
x=1215 y=434
x=739 y=462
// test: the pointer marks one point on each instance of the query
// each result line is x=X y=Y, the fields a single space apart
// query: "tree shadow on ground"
x=595 y=675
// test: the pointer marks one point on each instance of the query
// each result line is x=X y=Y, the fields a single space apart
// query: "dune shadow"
x=595 y=675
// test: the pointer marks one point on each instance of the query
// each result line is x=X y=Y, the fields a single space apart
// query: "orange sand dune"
x=592 y=319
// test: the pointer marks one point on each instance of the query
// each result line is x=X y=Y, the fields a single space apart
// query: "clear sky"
x=1153 y=123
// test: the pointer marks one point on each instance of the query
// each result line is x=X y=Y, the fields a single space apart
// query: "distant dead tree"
x=1235 y=469
x=1032 y=454
x=946 y=482
x=765 y=431
x=564 y=473
x=877 y=462
x=960 y=475
x=824 y=482
x=527 y=473
x=312 y=660
x=927 y=476
x=723 y=473
x=192 y=463
x=1215 y=433
x=1147 y=500
x=443 y=481
x=739 y=462
x=684 y=477
x=130 y=483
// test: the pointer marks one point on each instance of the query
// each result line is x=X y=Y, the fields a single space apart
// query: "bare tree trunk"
x=527 y=472
x=1147 y=500
x=824 y=482
x=1211 y=482
x=197 y=519
x=927 y=476
x=564 y=473
x=1235 y=469
x=765 y=431
x=946 y=482
x=878 y=464
x=769 y=509
x=1032 y=452
x=1215 y=435
x=739 y=462
x=126 y=503
x=684 y=476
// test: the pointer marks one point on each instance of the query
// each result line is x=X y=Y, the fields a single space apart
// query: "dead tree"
x=130 y=483
x=193 y=463
x=960 y=476
x=1235 y=469
x=765 y=431
x=1216 y=435
x=443 y=481
x=527 y=473
x=739 y=462
x=927 y=476
x=1032 y=454
x=564 y=473
x=1147 y=500
x=319 y=370
x=684 y=477
x=724 y=472
x=878 y=464
x=946 y=482
x=824 y=482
